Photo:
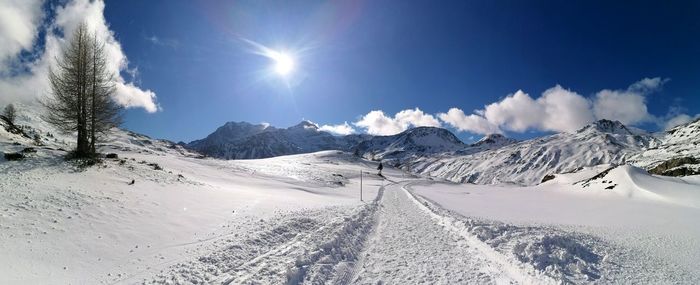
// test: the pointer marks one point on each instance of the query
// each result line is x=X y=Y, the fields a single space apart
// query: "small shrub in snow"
x=14 y=156
x=155 y=166
x=547 y=178
x=37 y=139
x=82 y=162
x=28 y=150
x=9 y=114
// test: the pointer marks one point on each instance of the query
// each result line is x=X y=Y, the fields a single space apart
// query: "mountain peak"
x=494 y=139
x=425 y=131
x=233 y=124
x=305 y=125
x=607 y=126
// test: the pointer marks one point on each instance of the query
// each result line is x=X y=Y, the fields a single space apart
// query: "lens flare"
x=284 y=63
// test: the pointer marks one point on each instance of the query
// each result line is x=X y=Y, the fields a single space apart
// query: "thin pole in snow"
x=360 y=184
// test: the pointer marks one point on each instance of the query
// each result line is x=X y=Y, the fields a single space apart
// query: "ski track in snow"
x=411 y=246
x=555 y=254
x=401 y=238
x=316 y=247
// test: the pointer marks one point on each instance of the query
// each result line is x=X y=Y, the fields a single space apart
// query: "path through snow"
x=401 y=238
x=410 y=247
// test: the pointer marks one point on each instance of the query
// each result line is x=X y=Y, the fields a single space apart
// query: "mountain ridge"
x=430 y=151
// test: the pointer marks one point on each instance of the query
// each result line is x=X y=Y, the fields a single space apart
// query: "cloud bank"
x=558 y=109
x=378 y=123
x=26 y=80
x=341 y=129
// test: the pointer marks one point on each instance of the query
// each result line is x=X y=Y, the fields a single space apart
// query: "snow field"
x=636 y=232
x=61 y=224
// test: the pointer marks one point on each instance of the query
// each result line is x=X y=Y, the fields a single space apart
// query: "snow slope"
x=527 y=162
x=680 y=142
x=61 y=224
x=643 y=230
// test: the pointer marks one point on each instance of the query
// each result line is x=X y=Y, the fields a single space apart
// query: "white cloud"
x=341 y=129
x=28 y=86
x=627 y=106
x=624 y=106
x=155 y=40
x=377 y=123
x=131 y=96
x=19 y=22
x=564 y=110
x=677 y=120
x=517 y=112
x=472 y=123
x=558 y=109
x=648 y=85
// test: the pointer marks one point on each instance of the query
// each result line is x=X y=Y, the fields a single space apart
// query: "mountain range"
x=242 y=140
x=428 y=151
x=436 y=152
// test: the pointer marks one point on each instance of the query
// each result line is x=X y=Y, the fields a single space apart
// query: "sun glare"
x=284 y=63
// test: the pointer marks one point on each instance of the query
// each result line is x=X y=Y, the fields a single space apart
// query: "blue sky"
x=354 y=57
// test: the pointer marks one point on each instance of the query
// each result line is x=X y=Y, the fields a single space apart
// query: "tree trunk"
x=93 y=97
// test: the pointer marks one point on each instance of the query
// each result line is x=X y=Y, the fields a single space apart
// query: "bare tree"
x=105 y=113
x=9 y=115
x=81 y=89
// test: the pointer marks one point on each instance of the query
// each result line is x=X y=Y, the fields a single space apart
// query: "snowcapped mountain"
x=230 y=133
x=416 y=142
x=247 y=141
x=527 y=162
x=488 y=142
x=678 y=152
x=494 y=140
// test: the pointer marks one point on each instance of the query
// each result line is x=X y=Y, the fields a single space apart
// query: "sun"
x=284 y=63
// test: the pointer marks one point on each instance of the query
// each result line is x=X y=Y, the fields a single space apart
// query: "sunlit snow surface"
x=298 y=219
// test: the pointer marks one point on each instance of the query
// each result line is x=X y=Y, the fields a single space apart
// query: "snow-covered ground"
x=298 y=219
x=643 y=230
x=61 y=224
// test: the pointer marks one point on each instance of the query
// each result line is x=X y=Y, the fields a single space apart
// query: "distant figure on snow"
x=380 y=167
x=132 y=182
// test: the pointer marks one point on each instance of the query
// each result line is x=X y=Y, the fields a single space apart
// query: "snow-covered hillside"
x=527 y=162
x=678 y=153
x=494 y=159
x=587 y=232
x=411 y=143
x=246 y=141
